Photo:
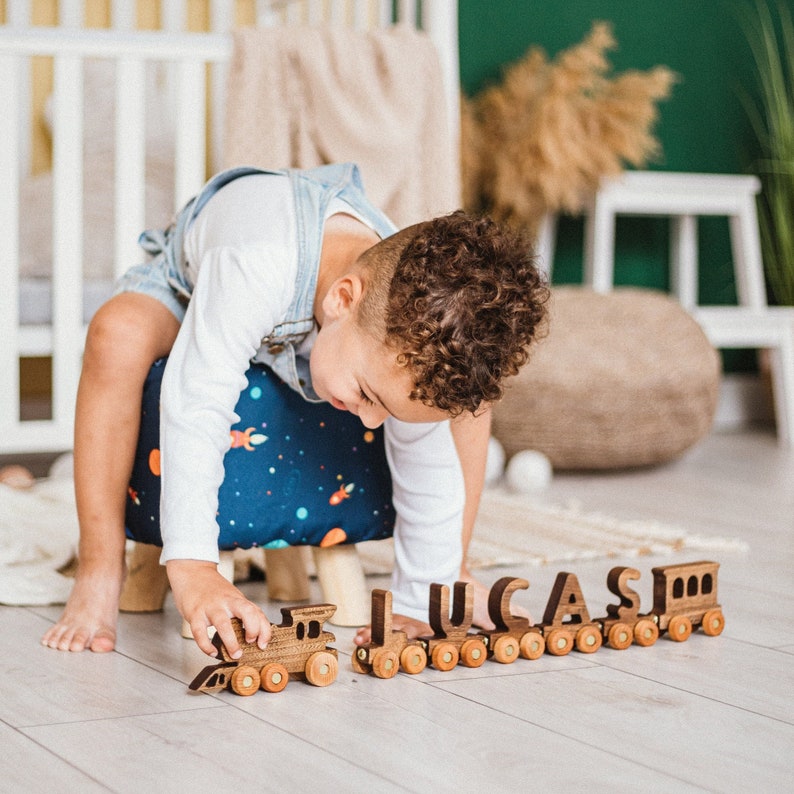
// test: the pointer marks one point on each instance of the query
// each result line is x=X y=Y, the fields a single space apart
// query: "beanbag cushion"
x=623 y=379
x=297 y=473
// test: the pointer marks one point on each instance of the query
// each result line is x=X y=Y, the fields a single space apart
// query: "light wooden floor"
x=713 y=714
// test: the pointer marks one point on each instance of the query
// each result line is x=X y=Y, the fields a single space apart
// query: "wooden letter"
x=566 y=601
x=629 y=605
x=462 y=610
x=499 y=604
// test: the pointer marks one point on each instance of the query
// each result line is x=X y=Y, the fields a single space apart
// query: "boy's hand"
x=205 y=598
x=412 y=628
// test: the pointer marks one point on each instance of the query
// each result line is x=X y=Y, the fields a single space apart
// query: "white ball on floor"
x=528 y=471
x=494 y=462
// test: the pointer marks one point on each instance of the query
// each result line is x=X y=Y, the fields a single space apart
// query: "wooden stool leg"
x=342 y=582
x=147 y=583
x=285 y=572
x=226 y=570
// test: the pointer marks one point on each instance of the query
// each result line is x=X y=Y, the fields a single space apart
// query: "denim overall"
x=333 y=483
x=313 y=191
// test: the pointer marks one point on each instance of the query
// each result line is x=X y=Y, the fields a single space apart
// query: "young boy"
x=297 y=270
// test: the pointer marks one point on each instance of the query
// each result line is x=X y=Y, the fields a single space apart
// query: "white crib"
x=164 y=75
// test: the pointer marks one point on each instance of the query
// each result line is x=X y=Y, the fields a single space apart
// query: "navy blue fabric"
x=297 y=473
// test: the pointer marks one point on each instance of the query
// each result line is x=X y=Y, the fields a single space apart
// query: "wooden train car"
x=450 y=644
x=451 y=641
x=298 y=647
x=388 y=650
x=512 y=636
x=685 y=597
x=566 y=620
x=623 y=624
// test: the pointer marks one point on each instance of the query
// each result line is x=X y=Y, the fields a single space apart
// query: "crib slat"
x=122 y=14
x=222 y=20
x=173 y=15
x=336 y=15
x=385 y=13
x=67 y=169
x=9 y=237
x=18 y=16
x=190 y=154
x=361 y=17
x=440 y=22
x=406 y=12
x=70 y=13
x=130 y=179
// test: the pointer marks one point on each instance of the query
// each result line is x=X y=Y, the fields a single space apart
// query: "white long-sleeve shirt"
x=242 y=261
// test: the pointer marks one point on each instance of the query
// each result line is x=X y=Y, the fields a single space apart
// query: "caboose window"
x=692 y=586
x=707 y=585
x=314 y=629
x=300 y=630
x=678 y=587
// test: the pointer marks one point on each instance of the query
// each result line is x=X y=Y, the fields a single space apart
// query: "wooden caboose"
x=685 y=597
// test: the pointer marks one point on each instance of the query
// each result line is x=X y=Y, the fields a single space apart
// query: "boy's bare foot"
x=412 y=628
x=89 y=619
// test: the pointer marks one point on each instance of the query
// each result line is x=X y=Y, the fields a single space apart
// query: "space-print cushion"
x=297 y=473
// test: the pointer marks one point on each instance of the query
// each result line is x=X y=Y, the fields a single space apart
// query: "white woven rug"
x=518 y=530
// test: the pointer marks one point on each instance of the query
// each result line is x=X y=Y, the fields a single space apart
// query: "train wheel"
x=274 y=677
x=444 y=656
x=619 y=636
x=413 y=659
x=588 y=639
x=473 y=653
x=245 y=680
x=646 y=632
x=385 y=664
x=532 y=645
x=679 y=628
x=505 y=650
x=713 y=622
x=321 y=668
x=559 y=642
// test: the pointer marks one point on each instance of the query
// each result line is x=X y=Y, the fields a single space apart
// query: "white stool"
x=683 y=197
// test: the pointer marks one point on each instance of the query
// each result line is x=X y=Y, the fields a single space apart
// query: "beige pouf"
x=622 y=379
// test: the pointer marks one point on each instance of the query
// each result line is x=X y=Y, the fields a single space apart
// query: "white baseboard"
x=744 y=400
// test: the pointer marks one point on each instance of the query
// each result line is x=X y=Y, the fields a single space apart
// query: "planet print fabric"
x=296 y=473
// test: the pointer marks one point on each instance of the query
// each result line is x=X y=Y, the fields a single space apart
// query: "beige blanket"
x=302 y=97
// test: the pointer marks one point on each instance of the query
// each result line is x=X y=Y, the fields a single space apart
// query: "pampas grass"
x=541 y=139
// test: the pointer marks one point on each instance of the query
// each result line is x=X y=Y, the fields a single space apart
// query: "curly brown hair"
x=460 y=299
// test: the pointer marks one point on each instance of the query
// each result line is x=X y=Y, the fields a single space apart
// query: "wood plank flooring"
x=710 y=714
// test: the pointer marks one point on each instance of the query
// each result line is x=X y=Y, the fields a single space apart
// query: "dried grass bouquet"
x=541 y=139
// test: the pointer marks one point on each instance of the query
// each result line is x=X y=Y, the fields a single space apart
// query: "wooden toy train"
x=298 y=646
x=684 y=598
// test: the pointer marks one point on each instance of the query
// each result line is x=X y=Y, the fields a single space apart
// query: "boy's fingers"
x=202 y=638
x=223 y=627
x=257 y=626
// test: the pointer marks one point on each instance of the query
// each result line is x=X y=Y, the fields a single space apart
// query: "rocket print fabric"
x=297 y=473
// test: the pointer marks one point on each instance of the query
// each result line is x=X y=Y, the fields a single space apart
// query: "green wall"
x=703 y=126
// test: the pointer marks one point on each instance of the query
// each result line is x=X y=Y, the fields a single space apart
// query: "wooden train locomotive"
x=298 y=647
